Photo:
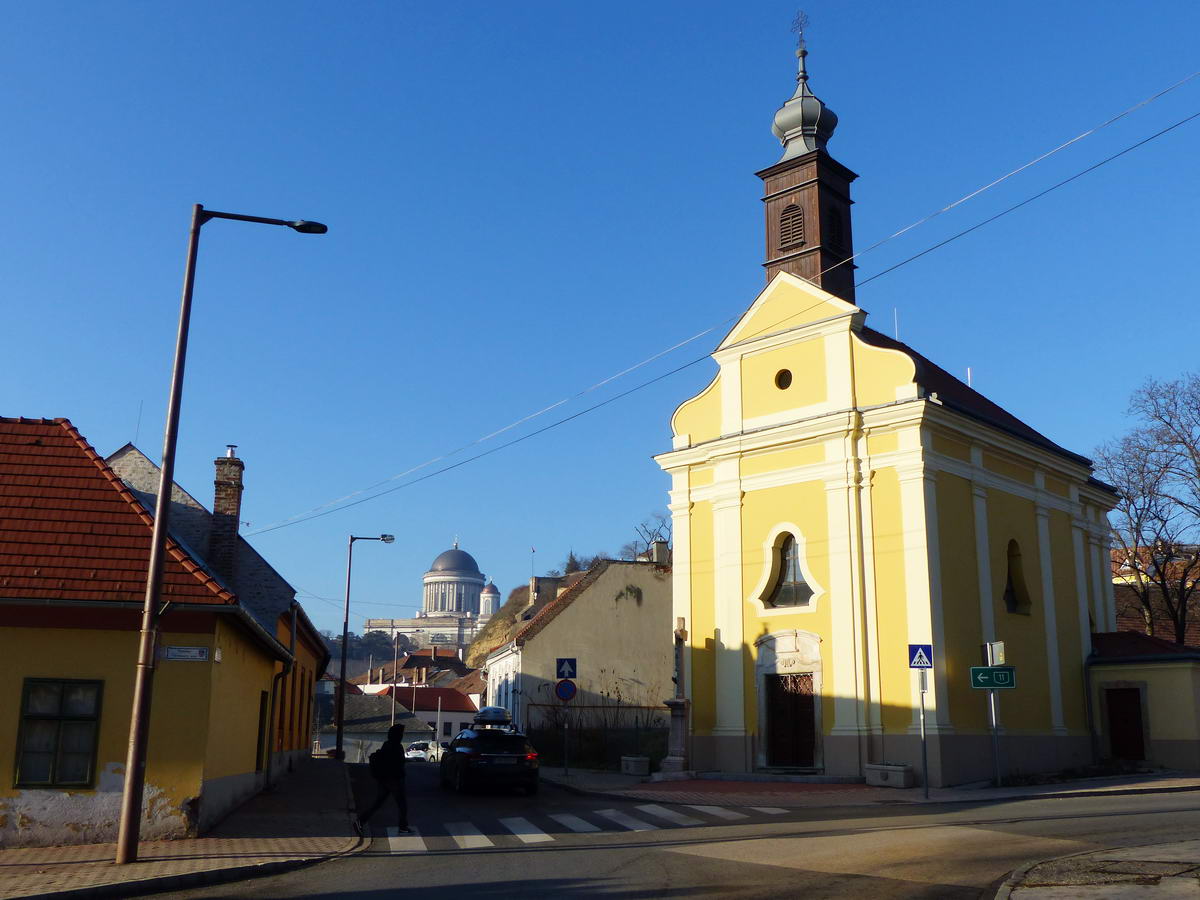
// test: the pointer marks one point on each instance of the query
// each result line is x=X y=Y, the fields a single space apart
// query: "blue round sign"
x=564 y=690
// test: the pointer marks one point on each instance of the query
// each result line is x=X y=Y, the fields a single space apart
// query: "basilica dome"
x=455 y=560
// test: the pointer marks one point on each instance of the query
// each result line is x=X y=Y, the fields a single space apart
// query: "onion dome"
x=804 y=123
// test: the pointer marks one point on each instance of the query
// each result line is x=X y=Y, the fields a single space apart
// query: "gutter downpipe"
x=278 y=677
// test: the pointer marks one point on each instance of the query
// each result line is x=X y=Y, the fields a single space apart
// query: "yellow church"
x=837 y=497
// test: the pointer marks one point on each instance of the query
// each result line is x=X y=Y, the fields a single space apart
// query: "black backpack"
x=377 y=763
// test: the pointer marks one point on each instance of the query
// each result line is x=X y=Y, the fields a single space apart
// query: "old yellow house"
x=236 y=656
x=837 y=497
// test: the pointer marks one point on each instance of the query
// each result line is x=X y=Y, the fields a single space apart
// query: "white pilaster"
x=1050 y=620
x=923 y=589
x=848 y=692
x=987 y=612
x=1078 y=527
x=727 y=560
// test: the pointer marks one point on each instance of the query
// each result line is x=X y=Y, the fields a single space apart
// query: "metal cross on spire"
x=799 y=24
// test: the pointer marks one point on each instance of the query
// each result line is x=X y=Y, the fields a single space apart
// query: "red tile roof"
x=1119 y=644
x=956 y=395
x=71 y=530
x=426 y=699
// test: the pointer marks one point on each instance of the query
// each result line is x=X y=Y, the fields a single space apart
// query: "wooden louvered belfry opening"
x=791 y=226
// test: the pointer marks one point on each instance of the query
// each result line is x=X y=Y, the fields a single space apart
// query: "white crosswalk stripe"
x=671 y=815
x=399 y=842
x=467 y=836
x=720 y=812
x=625 y=821
x=574 y=823
x=525 y=830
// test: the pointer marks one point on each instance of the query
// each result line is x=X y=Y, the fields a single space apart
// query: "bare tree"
x=655 y=527
x=1156 y=524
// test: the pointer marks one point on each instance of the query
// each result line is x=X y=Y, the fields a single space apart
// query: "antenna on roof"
x=896 y=322
x=968 y=376
x=137 y=429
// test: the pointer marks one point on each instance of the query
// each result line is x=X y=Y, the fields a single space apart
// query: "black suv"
x=496 y=756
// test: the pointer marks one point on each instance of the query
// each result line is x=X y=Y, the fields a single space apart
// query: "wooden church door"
x=791 y=720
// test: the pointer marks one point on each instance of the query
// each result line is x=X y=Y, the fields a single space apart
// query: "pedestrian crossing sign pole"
x=920 y=658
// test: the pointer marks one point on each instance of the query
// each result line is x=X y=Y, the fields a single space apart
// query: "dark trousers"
x=395 y=788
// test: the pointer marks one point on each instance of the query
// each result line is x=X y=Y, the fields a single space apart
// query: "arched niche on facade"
x=773 y=570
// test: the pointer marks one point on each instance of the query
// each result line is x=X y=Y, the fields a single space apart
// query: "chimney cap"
x=230 y=451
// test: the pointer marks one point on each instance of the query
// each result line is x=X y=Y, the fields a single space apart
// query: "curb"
x=164 y=883
x=1017 y=877
x=1060 y=795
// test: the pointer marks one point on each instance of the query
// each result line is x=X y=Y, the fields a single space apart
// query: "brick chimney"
x=227 y=510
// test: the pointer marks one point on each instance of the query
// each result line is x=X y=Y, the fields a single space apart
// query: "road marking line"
x=625 y=821
x=720 y=812
x=772 y=810
x=467 y=836
x=671 y=815
x=525 y=830
x=405 y=843
x=574 y=822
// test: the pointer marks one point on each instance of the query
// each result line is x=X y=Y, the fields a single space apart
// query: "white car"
x=417 y=750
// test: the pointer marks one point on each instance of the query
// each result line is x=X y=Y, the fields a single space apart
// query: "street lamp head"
x=387 y=538
x=306 y=227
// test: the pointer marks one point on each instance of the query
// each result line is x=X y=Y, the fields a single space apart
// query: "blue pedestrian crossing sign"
x=565 y=667
x=920 y=656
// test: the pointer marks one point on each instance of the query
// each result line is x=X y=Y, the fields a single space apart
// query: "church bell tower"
x=807 y=195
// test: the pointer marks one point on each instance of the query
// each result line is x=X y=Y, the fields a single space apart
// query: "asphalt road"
x=502 y=844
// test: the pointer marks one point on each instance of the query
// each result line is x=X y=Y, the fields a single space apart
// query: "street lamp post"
x=341 y=690
x=139 y=721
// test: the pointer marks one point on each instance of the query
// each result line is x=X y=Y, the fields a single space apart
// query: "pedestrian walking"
x=387 y=768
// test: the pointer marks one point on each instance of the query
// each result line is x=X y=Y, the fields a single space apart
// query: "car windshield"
x=499 y=742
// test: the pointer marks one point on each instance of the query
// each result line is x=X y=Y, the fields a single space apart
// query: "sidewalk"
x=1152 y=871
x=305 y=819
x=790 y=794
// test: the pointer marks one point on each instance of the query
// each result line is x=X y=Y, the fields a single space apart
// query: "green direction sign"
x=993 y=678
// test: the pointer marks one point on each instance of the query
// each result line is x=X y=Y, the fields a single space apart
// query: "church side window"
x=790 y=587
x=1016 y=595
x=791 y=226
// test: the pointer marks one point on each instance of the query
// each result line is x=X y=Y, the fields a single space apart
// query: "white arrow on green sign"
x=993 y=678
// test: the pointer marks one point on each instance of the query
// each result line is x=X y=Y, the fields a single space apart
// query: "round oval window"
x=783 y=379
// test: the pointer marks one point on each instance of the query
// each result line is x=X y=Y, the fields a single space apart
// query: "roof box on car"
x=493 y=715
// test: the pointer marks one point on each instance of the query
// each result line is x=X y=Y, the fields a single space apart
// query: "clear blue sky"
x=525 y=198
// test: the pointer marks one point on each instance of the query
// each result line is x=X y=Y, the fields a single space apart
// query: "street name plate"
x=196 y=654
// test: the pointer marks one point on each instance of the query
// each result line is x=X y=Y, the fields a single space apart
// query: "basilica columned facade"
x=457 y=600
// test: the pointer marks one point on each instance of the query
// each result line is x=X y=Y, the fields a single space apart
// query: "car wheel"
x=460 y=781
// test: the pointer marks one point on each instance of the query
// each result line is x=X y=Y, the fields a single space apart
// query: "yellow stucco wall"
x=178 y=731
x=243 y=673
x=806 y=363
x=780 y=460
x=1172 y=691
x=803 y=505
x=1070 y=653
x=960 y=600
x=700 y=417
x=883 y=442
x=878 y=373
x=1024 y=636
x=949 y=446
x=891 y=600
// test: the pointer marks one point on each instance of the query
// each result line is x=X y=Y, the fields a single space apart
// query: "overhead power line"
x=340 y=504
